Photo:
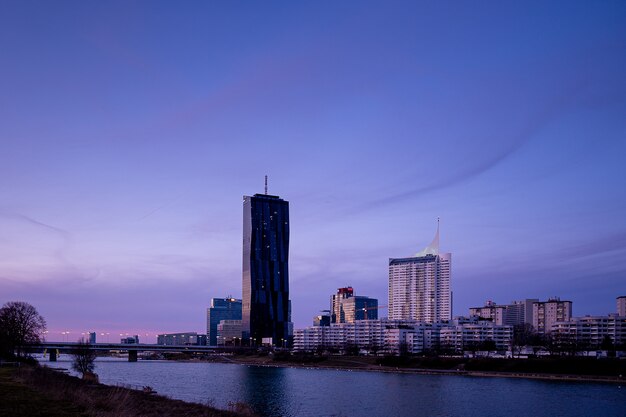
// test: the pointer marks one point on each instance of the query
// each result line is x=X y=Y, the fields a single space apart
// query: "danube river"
x=321 y=392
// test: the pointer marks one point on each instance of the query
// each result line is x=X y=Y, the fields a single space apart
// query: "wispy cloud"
x=603 y=245
x=560 y=105
x=22 y=217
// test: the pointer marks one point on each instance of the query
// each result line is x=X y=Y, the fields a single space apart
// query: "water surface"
x=321 y=392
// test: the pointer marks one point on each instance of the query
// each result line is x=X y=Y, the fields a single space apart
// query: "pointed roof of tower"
x=433 y=248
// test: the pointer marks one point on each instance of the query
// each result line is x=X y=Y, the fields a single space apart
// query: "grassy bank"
x=38 y=391
x=18 y=400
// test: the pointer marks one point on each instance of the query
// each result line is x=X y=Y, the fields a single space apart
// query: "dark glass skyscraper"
x=265 y=308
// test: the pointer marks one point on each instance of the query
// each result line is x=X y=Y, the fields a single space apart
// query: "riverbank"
x=19 y=400
x=553 y=369
x=31 y=391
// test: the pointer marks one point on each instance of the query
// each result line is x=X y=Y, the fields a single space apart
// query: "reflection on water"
x=264 y=389
x=292 y=392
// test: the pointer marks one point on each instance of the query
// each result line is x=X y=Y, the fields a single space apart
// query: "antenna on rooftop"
x=266 y=185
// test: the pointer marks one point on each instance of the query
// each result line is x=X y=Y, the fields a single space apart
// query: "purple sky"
x=130 y=132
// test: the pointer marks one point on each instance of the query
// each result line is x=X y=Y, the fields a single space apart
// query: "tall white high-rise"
x=419 y=286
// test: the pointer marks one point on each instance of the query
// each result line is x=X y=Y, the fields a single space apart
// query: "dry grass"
x=106 y=401
x=18 y=400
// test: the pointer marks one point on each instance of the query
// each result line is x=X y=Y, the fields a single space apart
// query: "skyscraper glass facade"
x=265 y=302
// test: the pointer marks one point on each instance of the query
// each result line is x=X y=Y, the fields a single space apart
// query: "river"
x=320 y=392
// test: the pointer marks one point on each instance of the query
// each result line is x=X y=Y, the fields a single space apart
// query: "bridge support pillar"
x=132 y=356
x=53 y=355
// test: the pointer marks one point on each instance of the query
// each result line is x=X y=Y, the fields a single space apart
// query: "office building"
x=336 y=315
x=345 y=307
x=92 y=338
x=321 y=320
x=359 y=307
x=130 y=340
x=229 y=333
x=621 y=306
x=520 y=312
x=419 y=286
x=181 y=339
x=221 y=309
x=546 y=313
x=265 y=301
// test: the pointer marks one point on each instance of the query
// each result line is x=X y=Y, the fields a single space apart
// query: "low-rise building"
x=181 y=339
x=590 y=332
x=394 y=336
x=130 y=340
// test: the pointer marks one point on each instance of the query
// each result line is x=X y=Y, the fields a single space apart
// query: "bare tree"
x=523 y=335
x=488 y=346
x=84 y=357
x=403 y=349
x=20 y=324
x=374 y=348
x=471 y=346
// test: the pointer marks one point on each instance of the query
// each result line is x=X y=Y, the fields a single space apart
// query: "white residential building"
x=491 y=311
x=546 y=313
x=590 y=331
x=391 y=336
x=518 y=312
x=419 y=286
x=621 y=306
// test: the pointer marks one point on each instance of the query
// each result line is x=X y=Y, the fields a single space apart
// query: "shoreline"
x=350 y=365
x=439 y=372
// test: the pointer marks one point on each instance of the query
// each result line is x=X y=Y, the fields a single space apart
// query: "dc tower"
x=265 y=288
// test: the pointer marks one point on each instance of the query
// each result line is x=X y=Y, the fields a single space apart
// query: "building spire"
x=433 y=248
x=266 y=185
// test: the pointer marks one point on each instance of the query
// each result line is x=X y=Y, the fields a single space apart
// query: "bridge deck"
x=140 y=347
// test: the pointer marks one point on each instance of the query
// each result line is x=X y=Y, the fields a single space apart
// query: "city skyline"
x=130 y=133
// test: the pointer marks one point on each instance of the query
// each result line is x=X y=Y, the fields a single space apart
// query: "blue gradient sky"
x=130 y=132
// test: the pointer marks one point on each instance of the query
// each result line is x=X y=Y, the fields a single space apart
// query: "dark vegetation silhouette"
x=20 y=324
x=83 y=359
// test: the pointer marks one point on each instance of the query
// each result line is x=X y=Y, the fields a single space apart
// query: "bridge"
x=132 y=348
